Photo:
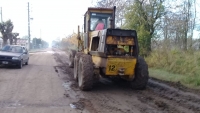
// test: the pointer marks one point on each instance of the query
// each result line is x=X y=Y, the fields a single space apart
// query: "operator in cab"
x=100 y=24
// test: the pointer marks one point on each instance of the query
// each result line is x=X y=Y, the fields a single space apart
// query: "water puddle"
x=67 y=85
x=14 y=105
x=77 y=105
x=50 y=52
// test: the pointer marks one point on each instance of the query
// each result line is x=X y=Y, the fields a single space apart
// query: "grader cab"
x=104 y=51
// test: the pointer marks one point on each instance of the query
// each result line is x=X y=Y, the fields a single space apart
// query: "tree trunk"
x=5 y=41
x=149 y=44
x=185 y=40
x=11 y=41
x=15 y=41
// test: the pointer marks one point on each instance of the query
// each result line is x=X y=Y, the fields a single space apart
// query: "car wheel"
x=20 y=64
x=26 y=63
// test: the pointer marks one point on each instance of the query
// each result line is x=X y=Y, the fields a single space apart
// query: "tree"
x=6 y=31
x=36 y=42
x=189 y=16
x=143 y=16
x=14 y=36
x=178 y=24
x=45 y=44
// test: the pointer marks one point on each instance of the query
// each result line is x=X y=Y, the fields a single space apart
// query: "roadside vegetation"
x=176 y=66
x=166 y=38
x=70 y=42
x=6 y=29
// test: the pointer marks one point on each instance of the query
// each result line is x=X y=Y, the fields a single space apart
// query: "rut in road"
x=117 y=96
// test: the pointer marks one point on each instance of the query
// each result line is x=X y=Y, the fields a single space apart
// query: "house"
x=22 y=42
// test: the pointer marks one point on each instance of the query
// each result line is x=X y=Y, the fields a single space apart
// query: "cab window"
x=96 y=18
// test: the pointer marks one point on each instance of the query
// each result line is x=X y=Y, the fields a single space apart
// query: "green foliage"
x=6 y=27
x=185 y=63
x=6 y=31
x=144 y=40
x=15 y=35
x=186 y=80
x=165 y=75
x=39 y=43
x=36 y=41
x=142 y=16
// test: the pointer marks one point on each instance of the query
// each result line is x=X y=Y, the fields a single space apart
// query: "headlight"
x=15 y=58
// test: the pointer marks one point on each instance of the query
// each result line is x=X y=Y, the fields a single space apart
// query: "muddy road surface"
x=46 y=85
x=117 y=96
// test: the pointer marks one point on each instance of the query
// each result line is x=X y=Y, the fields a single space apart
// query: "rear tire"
x=141 y=75
x=71 y=58
x=76 y=62
x=85 y=73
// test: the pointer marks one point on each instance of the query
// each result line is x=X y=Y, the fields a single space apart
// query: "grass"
x=191 y=82
x=176 y=66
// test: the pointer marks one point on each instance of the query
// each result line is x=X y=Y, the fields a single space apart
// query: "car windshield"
x=14 y=49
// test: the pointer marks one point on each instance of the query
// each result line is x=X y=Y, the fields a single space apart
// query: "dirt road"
x=47 y=86
x=36 y=88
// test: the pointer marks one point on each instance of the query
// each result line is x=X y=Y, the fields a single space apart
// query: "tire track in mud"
x=73 y=93
x=185 y=100
x=118 y=97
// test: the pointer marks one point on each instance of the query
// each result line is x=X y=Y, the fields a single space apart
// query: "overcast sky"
x=54 y=18
x=51 y=18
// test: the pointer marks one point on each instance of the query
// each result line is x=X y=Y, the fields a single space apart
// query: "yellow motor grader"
x=104 y=51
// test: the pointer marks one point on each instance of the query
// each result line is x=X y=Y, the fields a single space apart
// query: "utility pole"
x=29 y=35
x=1 y=15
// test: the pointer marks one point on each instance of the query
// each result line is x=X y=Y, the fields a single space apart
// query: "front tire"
x=71 y=58
x=141 y=75
x=27 y=62
x=85 y=73
x=76 y=62
x=20 y=64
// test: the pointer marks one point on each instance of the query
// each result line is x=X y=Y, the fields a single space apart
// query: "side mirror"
x=25 y=52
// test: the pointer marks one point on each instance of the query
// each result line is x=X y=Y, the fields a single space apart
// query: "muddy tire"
x=141 y=75
x=76 y=61
x=71 y=58
x=85 y=73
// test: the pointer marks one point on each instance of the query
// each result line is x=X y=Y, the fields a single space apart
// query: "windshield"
x=97 y=17
x=14 y=49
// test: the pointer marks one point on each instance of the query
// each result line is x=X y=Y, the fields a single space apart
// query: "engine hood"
x=3 y=53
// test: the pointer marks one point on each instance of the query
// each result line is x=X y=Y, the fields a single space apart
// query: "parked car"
x=14 y=55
